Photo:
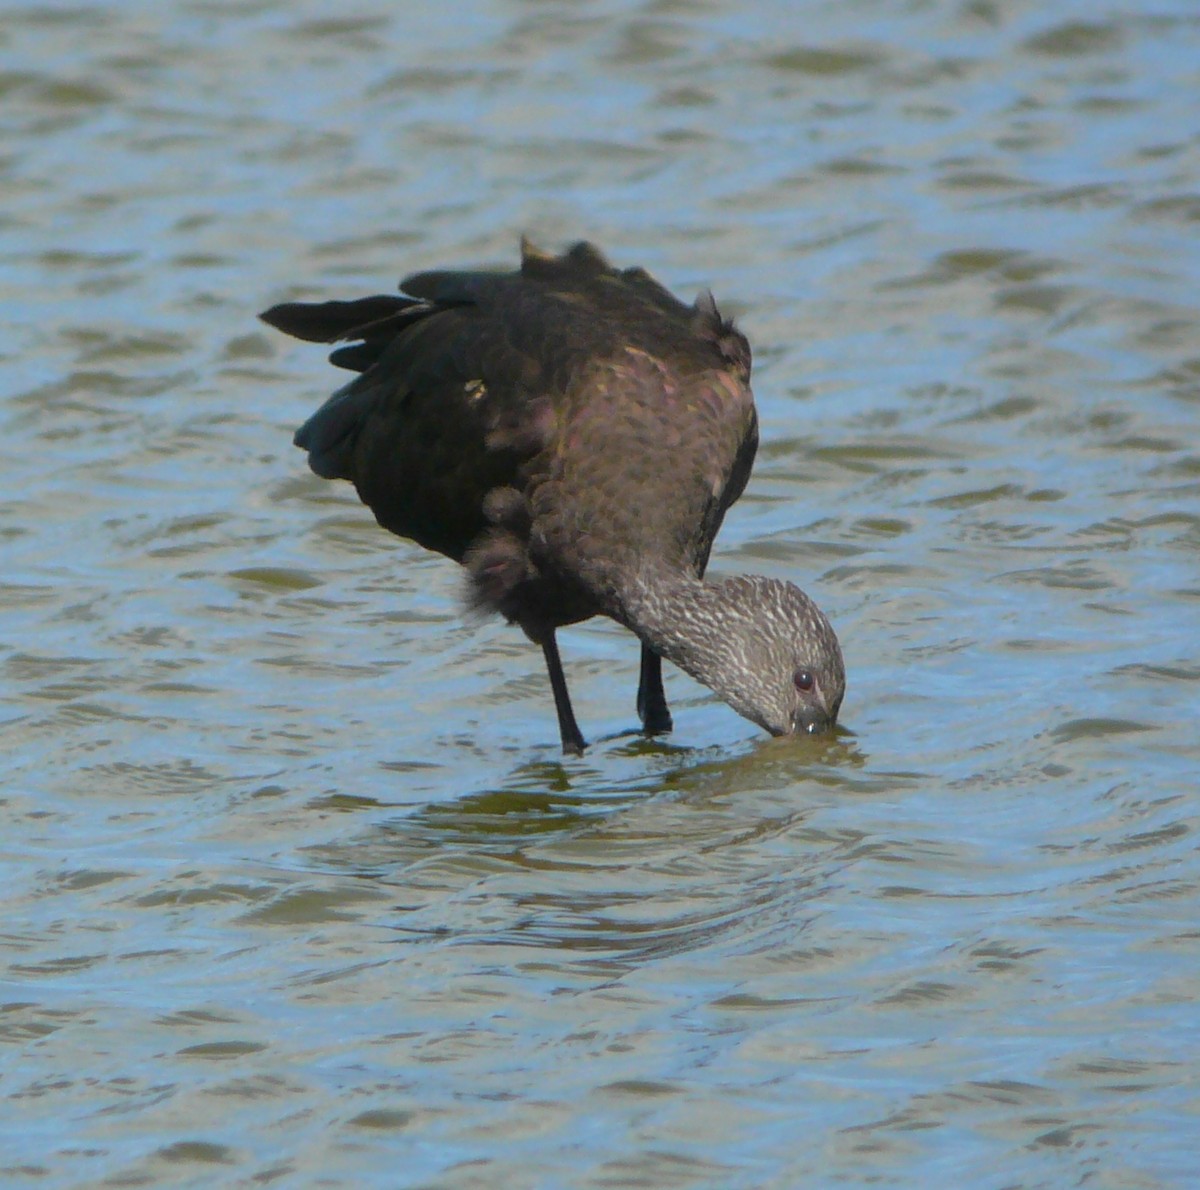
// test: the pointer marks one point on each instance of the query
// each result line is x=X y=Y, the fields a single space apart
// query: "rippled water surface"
x=297 y=888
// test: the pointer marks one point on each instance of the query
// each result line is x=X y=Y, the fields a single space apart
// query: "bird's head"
x=779 y=662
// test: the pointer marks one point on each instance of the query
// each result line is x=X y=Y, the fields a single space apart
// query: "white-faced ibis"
x=573 y=434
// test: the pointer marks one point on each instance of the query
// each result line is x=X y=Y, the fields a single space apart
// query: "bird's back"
x=551 y=427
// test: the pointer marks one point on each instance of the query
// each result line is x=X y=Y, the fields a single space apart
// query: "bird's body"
x=573 y=435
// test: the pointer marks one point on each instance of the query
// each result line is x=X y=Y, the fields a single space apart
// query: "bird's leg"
x=651 y=700
x=572 y=738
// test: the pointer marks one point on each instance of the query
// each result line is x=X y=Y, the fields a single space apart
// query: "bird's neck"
x=689 y=622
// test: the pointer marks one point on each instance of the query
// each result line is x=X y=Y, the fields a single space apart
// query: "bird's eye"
x=804 y=680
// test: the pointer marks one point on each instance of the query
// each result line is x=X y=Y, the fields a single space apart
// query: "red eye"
x=804 y=680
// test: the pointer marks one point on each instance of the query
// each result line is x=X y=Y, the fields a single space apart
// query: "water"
x=297 y=888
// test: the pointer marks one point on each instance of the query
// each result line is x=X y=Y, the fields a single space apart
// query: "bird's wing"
x=471 y=376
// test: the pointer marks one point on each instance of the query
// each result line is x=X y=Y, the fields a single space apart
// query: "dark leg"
x=572 y=738
x=651 y=701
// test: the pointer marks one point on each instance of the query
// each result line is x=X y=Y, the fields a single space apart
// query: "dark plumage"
x=573 y=435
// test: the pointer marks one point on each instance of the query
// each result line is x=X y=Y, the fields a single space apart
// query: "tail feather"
x=330 y=433
x=326 y=322
x=358 y=357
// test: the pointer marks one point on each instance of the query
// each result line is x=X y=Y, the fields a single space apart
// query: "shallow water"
x=296 y=885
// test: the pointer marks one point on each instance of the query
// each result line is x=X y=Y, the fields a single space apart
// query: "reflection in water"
x=551 y=855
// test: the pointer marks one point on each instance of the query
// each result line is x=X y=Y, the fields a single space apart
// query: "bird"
x=573 y=435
